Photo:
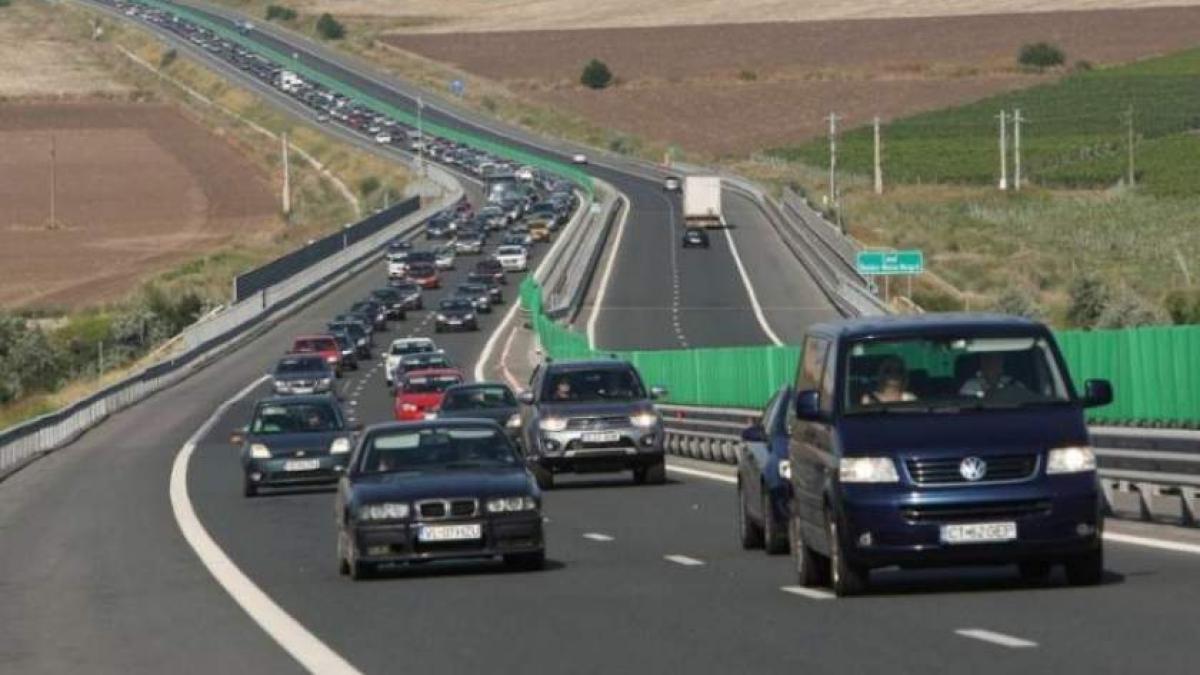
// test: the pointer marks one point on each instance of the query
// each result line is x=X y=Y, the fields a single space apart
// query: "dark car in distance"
x=301 y=374
x=694 y=237
x=483 y=400
x=394 y=301
x=294 y=440
x=764 y=479
x=455 y=314
x=410 y=293
x=940 y=440
x=348 y=348
x=416 y=492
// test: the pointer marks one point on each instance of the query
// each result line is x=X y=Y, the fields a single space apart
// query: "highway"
x=97 y=575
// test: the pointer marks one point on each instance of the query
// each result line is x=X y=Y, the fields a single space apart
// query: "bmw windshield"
x=425 y=450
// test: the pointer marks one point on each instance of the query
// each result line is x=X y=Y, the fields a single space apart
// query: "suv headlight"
x=511 y=504
x=553 y=424
x=385 y=511
x=441 y=317
x=643 y=420
x=340 y=446
x=867 y=470
x=325 y=382
x=281 y=386
x=514 y=422
x=260 y=451
x=1076 y=459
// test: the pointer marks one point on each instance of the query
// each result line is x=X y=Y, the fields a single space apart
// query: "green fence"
x=457 y=135
x=1155 y=371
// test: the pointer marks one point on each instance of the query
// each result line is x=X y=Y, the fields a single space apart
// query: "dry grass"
x=48 y=61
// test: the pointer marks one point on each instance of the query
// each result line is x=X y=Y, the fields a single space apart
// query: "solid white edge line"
x=810 y=593
x=995 y=638
x=608 y=268
x=597 y=536
x=312 y=654
x=1116 y=537
x=683 y=560
x=758 y=310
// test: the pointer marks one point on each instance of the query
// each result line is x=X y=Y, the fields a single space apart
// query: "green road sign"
x=890 y=262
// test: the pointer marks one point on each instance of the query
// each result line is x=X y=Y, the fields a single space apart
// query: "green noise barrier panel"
x=1155 y=371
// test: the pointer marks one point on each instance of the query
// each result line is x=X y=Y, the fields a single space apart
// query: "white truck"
x=702 y=202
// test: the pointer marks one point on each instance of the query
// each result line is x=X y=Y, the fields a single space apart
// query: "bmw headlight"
x=514 y=422
x=385 y=511
x=441 y=317
x=553 y=424
x=511 y=504
x=867 y=470
x=340 y=446
x=260 y=451
x=468 y=317
x=785 y=469
x=1077 y=459
x=643 y=420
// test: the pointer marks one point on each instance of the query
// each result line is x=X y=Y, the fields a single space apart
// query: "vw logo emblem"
x=973 y=469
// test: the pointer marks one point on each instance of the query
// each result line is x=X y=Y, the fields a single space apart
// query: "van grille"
x=945 y=470
x=976 y=512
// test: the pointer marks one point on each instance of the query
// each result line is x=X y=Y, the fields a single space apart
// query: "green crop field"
x=1074 y=135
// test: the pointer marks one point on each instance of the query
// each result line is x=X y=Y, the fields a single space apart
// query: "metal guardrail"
x=1145 y=474
x=566 y=285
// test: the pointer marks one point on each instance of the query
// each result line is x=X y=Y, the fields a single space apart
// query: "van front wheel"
x=847 y=579
x=812 y=569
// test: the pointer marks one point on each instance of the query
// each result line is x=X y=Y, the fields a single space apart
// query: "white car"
x=513 y=258
x=672 y=184
x=579 y=158
x=400 y=347
x=383 y=138
x=397 y=265
x=525 y=174
x=444 y=259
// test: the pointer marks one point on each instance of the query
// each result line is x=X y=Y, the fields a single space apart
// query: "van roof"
x=925 y=324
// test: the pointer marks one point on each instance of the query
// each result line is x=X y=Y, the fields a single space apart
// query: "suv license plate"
x=601 y=437
x=451 y=532
x=977 y=533
x=302 y=465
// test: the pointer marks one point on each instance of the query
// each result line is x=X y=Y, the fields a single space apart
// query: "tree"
x=1041 y=55
x=330 y=28
x=596 y=75
x=1087 y=297
x=280 y=12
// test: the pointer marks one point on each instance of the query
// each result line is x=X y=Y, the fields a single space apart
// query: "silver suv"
x=592 y=416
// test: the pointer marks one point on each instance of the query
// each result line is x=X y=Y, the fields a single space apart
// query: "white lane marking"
x=995 y=638
x=810 y=593
x=512 y=379
x=719 y=477
x=312 y=654
x=1149 y=542
x=597 y=536
x=683 y=560
x=608 y=268
x=758 y=310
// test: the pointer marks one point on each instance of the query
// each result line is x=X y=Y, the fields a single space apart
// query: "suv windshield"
x=294 y=418
x=479 y=398
x=300 y=365
x=948 y=374
x=442 y=449
x=601 y=384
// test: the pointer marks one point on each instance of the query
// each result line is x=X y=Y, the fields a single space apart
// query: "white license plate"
x=302 y=465
x=601 y=437
x=451 y=532
x=977 y=533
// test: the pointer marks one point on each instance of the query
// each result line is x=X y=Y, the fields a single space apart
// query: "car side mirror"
x=525 y=397
x=808 y=405
x=237 y=437
x=658 y=392
x=1097 y=393
x=754 y=434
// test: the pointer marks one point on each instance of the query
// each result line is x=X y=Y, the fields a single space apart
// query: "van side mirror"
x=754 y=434
x=525 y=397
x=1097 y=393
x=808 y=405
x=658 y=392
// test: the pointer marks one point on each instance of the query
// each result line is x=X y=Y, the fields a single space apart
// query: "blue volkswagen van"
x=941 y=440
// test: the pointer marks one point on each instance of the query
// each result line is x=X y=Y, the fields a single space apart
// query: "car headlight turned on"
x=514 y=422
x=1075 y=459
x=441 y=317
x=785 y=469
x=867 y=470
x=511 y=504
x=260 y=451
x=553 y=424
x=325 y=383
x=643 y=420
x=384 y=511
x=340 y=446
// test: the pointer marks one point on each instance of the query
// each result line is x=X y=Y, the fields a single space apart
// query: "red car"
x=324 y=345
x=424 y=275
x=420 y=391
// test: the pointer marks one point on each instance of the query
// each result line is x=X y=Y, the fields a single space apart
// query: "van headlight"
x=1074 y=459
x=340 y=446
x=260 y=451
x=553 y=424
x=867 y=470
x=785 y=469
x=514 y=422
x=643 y=420
x=385 y=511
x=511 y=504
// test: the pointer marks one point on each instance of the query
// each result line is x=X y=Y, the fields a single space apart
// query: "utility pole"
x=53 y=180
x=833 y=192
x=1017 y=149
x=1129 y=142
x=287 y=179
x=1003 y=151
x=878 y=164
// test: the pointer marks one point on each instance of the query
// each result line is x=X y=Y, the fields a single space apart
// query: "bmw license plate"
x=979 y=533
x=601 y=437
x=465 y=532
x=302 y=465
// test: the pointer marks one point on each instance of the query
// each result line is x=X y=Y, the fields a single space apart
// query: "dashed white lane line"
x=810 y=593
x=995 y=638
x=597 y=536
x=1162 y=544
x=683 y=560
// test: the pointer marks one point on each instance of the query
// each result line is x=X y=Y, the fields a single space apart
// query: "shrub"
x=5 y=3
x=1087 y=297
x=330 y=28
x=489 y=104
x=368 y=185
x=29 y=362
x=933 y=300
x=1127 y=309
x=747 y=76
x=623 y=144
x=596 y=75
x=1041 y=55
x=281 y=13
x=166 y=59
x=1017 y=302
x=1183 y=305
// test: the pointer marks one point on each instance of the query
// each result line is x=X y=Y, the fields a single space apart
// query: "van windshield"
x=951 y=374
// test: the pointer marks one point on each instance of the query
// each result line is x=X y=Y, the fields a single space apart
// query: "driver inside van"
x=991 y=378
x=891 y=383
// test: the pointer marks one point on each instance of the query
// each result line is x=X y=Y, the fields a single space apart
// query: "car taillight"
x=408 y=407
x=331 y=359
